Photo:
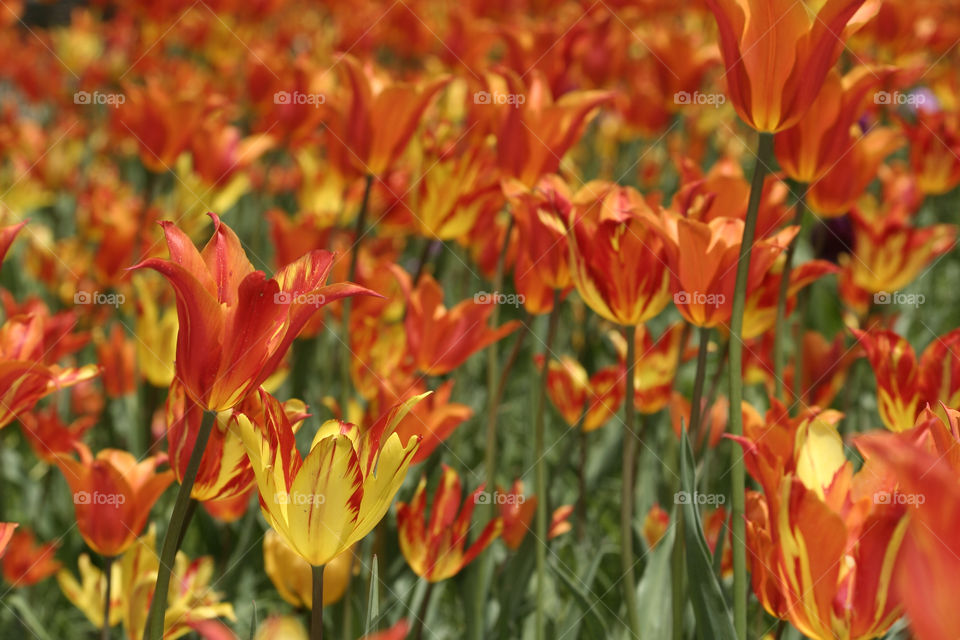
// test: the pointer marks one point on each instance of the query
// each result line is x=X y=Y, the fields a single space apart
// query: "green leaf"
x=27 y=616
x=709 y=607
x=373 y=599
x=596 y=627
x=653 y=594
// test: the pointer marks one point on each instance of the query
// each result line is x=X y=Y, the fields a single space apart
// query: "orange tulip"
x=434 y=549
x=369 y=130
x=572 y=392
x=27 y=372
x=822 y=540
x=230 y=509
x=934 y=150
x=439 y=339
x=778 y=53
x=655 y=525
x=116 y=356
x=617 y=261
x=702 y=259
x=25 y=562
x=7 y=235
x=928 y=566
x=235 y=324
x=6 y=532
x=822 y=136
x=712 y=426
x=48 y=436
x=112 y=495
x=433 y=419
x=517 y=510
x=398 y=631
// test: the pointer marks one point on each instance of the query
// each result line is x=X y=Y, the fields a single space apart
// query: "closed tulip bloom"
x=25 y=562
x=292 y=575
x=436 y=549
x=281 y=628
x=655 y=525
x=617 y=261
x=572 y=392
x=324 y=503
x=778 y=53
x=517 y=511
x=236 y=324
x=113 y=494
x=656 y=365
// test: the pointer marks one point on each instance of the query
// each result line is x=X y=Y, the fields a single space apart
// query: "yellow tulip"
x=292 y=575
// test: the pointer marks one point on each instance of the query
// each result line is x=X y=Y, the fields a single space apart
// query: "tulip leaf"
x=709 y=606
x=373 y=598
x=653 y=594
x=28 y=617
x=596 y=627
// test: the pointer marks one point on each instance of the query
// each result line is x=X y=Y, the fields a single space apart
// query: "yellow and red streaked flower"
x=517 y=511
x=7 y=236
x=235 y=324
x=714 y=526
x=889 y=254
x=369 y=130
x=656 y=365
x=655 y=525
x=702 y=259
x=441 y=339
x=293 y=577
x=713 y=423
x=543 y=258
x=435 y=549
x=777 y=54
x=26 y=373
x=820 y=139
x=534 y=134
x=899 y=393
x=324 y=503
x=192 y=604
x=156 y=331
x=398 y=631
x=929 y=561
x=25 y=562
x=116 y=355
x=6 y=532
x=825 y=367
x=224 y=470
x=617 y=260
x=934 y=147
x=433 y=419
x=87 y=593
x=838 y=189
x=822 y=545
x=112 y=495
x=940 y=370
x=572 y=392
x=278 y=627
x=760 y=312
x=219 y=151
x=48 y=436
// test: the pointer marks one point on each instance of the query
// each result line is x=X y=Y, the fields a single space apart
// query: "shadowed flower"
x=293 y=577
x=25 y=562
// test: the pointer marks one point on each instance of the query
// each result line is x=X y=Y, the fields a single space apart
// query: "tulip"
x=113 y=494
x=655 y=525
x=436 y=549
x=516 y=511
x=87 y=594
x=594 y=399
x=281 y=628
x=26 y=563
x=433 y=419
x=6 y=532
x=156 y=329
x=777 y=54
x=116 y=356
x=292 y=575
x=48 y=436
x=934 y=147
x=656 y=365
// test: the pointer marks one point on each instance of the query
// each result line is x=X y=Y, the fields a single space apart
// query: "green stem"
x=541 y=469
x=738 y=474
x=780 y=328
x=696 y=402
x=678 y=573
x=351 y=273
x=582 y=478
x=316 y=608
x=630 y=439
x=178 y=523
x=420 y=623
x=108 y=572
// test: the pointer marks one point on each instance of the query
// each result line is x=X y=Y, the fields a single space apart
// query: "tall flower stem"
x=351 y=273
x=108 y=573
x=541 y=468
x=417 y=632
x=737 y=472
x=316 y=609
x=179 y=520
x=631 y=437
x=780 y=329
x=696 y=402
